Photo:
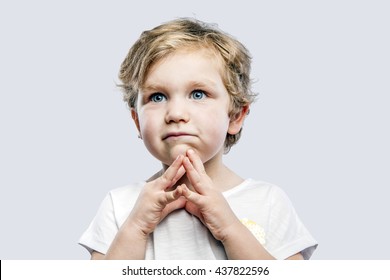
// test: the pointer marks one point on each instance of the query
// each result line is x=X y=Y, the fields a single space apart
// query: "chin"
x=171 y=155
x=177 y=152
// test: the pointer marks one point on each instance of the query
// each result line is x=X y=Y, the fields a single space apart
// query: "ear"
x=134 y=115
x=237 y=120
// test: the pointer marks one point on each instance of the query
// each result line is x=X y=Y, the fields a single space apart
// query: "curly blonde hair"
x=164 y=39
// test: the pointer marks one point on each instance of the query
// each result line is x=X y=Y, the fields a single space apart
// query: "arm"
x=153 y=205
x=129 y=243
x=238 y=241
x=211 y=207
x=99 y=256
x=241 y=244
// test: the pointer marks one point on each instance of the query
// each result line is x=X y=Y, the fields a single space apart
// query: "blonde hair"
x=164 y=39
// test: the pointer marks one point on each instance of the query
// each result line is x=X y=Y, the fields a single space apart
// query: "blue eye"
x=198 y=94
x=157 y=97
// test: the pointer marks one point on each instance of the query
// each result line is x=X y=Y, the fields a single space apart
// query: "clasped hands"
x=157 y=199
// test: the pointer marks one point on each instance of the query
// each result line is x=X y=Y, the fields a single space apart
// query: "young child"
x=189 y=90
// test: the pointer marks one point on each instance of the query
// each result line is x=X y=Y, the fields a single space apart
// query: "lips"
x=173 y=135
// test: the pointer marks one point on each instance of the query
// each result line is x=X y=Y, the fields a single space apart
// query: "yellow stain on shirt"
x=256 y=229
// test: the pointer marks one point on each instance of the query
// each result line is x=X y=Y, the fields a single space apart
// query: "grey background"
x=320 y=128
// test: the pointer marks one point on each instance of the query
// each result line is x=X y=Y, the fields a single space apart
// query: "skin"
x=183 y=117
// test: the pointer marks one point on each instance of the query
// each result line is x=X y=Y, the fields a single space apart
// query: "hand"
x=156 y=201
x=206 y=202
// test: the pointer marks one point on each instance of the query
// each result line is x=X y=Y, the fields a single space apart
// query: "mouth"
x=176 y=135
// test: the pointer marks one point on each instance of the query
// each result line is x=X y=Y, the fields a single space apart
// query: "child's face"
x=184 y=104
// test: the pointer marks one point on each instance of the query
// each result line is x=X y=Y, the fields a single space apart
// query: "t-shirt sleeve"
x=102 y=230
x=287 y=235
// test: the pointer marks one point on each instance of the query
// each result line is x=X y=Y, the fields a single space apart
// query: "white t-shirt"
x=182 y=236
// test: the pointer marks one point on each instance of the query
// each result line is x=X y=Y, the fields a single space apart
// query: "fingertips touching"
x=177 y=162
x=173 y=173
x=179 y=191
x=193 y=175
x=176 y=178
x=179 y=174
x=195 y=160
x=174 y=195
x=191 y=154
x=187 y=193
x=187 y=164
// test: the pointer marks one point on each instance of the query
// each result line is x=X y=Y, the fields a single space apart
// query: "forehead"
x=188 y=58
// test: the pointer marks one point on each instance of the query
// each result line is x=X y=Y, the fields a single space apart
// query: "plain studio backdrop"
x=319 y=129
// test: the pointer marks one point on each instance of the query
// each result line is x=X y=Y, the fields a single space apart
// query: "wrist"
x=230 y=232
x=240 y=243
x=137 y=228
x=129 y=243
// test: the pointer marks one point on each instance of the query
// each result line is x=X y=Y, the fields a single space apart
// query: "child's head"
x=190 y=34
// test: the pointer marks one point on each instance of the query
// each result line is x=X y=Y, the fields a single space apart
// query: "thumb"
x=192 y=196
x=174 y=205
x=193 y=199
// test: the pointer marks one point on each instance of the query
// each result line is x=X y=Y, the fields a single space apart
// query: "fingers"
x=195 y=172
x=192 y=174
x=171 y=196
x=174 y=200
x=191 y=196
x=196 y=161
x=179 y=174
x=193 y=203
x=191 y=163
x=173 y=173
x=174 y=205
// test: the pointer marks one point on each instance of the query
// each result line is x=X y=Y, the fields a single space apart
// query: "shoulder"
x=268 y=206
x=275 y=196
x=122 y=199
x=273 y=191
x=111 y=214
x=259 y=198
x=126 y=192
x=119 y=199
x=256 y=188
x=254 y=198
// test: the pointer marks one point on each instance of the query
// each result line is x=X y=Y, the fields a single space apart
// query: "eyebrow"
x=209 y=83
x=151 y=87
x=192 y=84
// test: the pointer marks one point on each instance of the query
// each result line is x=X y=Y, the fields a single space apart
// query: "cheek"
x=148 y=123
x=217 y=126
x=148 y=129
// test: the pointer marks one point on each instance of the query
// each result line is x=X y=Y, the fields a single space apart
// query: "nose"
x=177 y=111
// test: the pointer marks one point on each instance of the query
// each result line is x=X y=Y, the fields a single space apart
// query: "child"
x=188 y=88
